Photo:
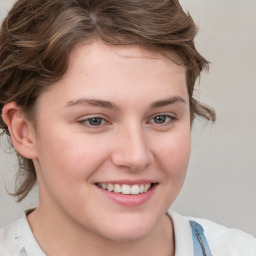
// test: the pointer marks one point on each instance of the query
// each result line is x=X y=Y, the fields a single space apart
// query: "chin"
x=128 y=231
x=127 y=236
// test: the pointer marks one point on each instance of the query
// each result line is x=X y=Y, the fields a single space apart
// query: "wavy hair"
x=37 y=36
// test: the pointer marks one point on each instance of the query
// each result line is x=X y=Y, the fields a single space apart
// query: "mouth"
x=126 y=189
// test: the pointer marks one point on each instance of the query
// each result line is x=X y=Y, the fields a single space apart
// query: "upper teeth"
x=126 y=189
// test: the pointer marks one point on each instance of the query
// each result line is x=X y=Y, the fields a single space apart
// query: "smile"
x=126 y=189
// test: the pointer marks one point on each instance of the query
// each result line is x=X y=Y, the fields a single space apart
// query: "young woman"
x=97 y=98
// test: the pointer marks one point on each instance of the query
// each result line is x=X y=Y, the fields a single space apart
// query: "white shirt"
x=222 y=241
x=17 y=239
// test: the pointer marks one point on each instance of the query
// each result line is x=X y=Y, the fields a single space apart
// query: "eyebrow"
x=92 y=102
x=111 y=105
x=166 y=102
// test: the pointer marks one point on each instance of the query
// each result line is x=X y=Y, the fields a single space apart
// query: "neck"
x=58 y=235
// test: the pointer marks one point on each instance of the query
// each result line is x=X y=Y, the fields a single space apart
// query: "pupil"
x=160 y=119
x=95 y=121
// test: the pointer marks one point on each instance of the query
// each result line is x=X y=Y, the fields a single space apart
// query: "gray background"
x=221 y=179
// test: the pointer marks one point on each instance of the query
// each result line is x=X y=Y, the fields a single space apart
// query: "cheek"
x=69 y=158
x=65 y=166
x=175 y=154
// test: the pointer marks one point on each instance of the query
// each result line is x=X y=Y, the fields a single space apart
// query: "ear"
x=21 y=130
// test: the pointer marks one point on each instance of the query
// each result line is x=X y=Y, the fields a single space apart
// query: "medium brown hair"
x=37 y=36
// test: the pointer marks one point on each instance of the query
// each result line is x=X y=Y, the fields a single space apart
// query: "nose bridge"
x=132 y=148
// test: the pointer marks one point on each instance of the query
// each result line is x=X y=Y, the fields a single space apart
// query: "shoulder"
x=227 y=241
x=222 y=240
x=17 y=239
x=9 y=243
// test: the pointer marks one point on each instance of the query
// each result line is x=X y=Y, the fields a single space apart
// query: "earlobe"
x=21 y=130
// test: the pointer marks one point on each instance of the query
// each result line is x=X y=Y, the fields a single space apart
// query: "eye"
x=162 y=119
x=93 y=121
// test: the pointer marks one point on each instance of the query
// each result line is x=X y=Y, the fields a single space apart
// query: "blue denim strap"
x=201 y=247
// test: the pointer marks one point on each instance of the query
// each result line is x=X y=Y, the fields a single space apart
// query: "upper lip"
x=127 y=182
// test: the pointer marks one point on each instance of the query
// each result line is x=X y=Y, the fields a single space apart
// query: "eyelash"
x=102 y=121
x=87 y=122
x=167 y=119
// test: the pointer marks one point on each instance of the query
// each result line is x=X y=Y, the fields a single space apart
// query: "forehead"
x=110 y=59
x=98 y=49
x=114 y=72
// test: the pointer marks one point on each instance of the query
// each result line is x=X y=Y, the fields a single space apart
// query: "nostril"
x=131 y=149
x=132 y=161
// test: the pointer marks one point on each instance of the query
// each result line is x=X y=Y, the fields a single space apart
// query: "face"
x=118 y=120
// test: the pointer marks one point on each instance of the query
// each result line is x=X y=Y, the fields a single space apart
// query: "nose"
x=132 y=150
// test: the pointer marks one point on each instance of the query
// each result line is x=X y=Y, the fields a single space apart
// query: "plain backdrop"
x=221 y=180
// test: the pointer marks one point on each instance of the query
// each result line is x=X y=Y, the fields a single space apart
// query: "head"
x=37 y=39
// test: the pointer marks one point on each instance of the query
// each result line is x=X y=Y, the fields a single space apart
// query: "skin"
x=74 y=217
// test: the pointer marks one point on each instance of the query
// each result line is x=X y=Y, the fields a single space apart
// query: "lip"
x=129 y=200
x=128 y=182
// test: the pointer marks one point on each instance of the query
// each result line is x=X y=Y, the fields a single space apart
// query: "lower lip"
x=129 y=200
